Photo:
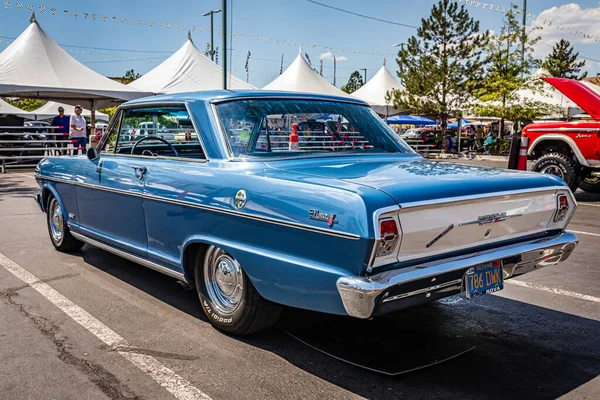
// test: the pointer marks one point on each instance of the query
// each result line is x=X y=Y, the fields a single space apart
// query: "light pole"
x=212 y=31
x=364 y=69
x=224 y=43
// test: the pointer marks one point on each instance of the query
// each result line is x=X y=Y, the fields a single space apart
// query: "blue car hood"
x=413 y=179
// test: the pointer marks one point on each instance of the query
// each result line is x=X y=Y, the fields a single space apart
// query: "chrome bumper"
x=364 y=297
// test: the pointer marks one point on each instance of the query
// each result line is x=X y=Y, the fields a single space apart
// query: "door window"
x=159 y=131
x=110 y=136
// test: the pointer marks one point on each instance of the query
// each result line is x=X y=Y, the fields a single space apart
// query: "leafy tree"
x=130 y=76
x=26 y=103
x=355 y=82
x=110 y=111
x=562 y=63
x=440 y=65
x=507 y=72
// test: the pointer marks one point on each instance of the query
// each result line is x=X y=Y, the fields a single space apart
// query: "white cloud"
x=329 y=56
x=571 y=22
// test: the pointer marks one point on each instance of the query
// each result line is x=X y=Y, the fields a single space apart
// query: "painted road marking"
x=554 y=290
x=27 y=175
x=584 y=233
x=175 y=384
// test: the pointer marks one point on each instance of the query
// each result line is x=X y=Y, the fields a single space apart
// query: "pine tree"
x=439 y=65
x=355 y=82
x=562 y=63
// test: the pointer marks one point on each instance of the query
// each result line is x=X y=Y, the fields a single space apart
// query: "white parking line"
x=175 y=384
x=26 y=175
x=588 y=204
x=554 y=290
x=584 y=233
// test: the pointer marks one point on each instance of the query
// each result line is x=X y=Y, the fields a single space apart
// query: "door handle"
x=139 y=171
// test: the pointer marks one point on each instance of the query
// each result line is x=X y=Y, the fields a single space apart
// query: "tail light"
x=388 y=237
x=562 y=207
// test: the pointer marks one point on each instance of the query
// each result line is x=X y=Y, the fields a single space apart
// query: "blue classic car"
x=225 y=197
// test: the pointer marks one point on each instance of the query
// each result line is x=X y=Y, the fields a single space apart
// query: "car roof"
x=216 y=96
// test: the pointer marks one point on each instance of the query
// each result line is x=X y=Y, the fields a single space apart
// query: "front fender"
x=568 y=140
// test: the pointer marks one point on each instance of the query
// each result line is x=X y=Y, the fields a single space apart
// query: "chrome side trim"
x=300 y=96
x=587 y=130
x=564 y=138
x=362 y=296
x=130 y=257
x=297 y=225
x=436 y=202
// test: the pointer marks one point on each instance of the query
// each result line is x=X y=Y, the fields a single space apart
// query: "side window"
x=111 y=135
x=165 y=131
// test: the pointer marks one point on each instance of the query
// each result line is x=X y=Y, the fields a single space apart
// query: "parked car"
x=570 y=150
x=359 y=231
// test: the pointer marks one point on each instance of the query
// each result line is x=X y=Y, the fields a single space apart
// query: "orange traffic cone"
x=294 y=145
x=522 y=166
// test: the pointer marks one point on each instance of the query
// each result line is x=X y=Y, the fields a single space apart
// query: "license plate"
x=484 y=279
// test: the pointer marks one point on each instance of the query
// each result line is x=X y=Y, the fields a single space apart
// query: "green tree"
x=562 y=63
x=26 y=103
x=507 y=72
x=355 y=82
x=439 y=66
x=130 y=76
x=110 y=111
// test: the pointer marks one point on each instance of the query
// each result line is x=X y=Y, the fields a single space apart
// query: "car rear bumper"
x=364 y=297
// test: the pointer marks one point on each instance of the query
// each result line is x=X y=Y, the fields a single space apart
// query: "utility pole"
x=524 y=36
x=224 y=45
x=364 y=69
x=212 y=32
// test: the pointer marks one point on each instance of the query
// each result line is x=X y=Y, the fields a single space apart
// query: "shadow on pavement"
x=521 y=350
x=587 y=197
x=12 y=186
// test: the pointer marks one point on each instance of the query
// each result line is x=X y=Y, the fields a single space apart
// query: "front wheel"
x=590 y=185
x=560 y=165
x=57 y=228
x=228 y=297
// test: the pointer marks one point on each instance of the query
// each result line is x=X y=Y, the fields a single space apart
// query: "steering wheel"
x=154 y=138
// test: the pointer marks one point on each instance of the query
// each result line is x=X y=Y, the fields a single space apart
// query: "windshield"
x=264 y=128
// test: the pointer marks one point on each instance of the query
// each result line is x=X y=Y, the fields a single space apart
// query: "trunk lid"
x=581 y=93
x=447 y=207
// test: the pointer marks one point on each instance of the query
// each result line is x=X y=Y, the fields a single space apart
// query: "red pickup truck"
x=570 y=150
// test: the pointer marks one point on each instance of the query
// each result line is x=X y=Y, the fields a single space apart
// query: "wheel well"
x=190 y=255
x=552 y=146
x=46 y=196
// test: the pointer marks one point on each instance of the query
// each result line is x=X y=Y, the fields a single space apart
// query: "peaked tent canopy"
x=187 y=70
x=375 y=90
x=35 y=66
x=546 y=93
x=300 y=77
x=9 y=109
x=50 y=110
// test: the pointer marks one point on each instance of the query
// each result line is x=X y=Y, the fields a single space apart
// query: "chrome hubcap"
x=223 y=280
x=56 y=221
x=553 y=170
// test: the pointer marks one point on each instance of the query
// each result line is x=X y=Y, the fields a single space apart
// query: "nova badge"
x=318 y=216
x=491 y=219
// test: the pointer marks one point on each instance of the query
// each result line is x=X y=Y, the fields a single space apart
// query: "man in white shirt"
x=77 y=134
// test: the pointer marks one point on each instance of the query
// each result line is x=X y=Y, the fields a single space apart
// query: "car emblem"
x=491 y=219
x=440 y=235
x=240 y=199
x=318 y=216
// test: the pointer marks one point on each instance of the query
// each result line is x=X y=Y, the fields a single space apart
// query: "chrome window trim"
x=298 y=97
x=297 y=225
x=139 y=260
x=116 y=119
x=224 y=141
x=435 y=202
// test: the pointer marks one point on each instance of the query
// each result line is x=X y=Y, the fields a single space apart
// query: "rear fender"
x=569 y=141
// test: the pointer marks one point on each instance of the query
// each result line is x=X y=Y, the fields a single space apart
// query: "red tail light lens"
x=388 y=235
x=562 y=207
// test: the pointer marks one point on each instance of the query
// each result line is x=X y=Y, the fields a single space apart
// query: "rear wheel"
x=560 y=165
x=228 y=297
x=590 y=185
x=57 y=228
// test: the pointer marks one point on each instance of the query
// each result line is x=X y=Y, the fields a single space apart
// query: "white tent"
x=9 y=109
x=375 y=90
x=35 y=66
x=50 y=110
x=546 y=93
x=300 y=77
x=187 y=70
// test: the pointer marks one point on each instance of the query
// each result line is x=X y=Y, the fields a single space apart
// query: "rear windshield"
x=262 y=128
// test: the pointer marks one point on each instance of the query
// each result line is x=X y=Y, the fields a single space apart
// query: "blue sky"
x=290 y=20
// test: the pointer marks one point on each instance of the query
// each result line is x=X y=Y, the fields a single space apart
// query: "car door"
x=110 y=191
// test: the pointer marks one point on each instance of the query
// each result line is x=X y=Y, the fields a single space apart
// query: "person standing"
x=77 y=131
x=61 y=123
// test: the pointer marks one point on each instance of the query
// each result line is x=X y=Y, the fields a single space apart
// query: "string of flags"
x=247 y=71
x=54 y=11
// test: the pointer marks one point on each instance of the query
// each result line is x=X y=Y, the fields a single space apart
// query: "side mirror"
x=92 y=154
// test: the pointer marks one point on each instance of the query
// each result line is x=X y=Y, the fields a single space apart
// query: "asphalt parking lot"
x=91 y=325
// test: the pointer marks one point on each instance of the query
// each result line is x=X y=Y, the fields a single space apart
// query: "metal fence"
x=21 y=149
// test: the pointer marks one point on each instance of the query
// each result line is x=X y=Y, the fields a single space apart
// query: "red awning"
x=579 y=93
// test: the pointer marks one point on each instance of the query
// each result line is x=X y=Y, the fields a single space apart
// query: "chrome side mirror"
x=92 y=154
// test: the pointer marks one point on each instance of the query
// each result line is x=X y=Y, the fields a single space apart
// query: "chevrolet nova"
x=230 y=196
